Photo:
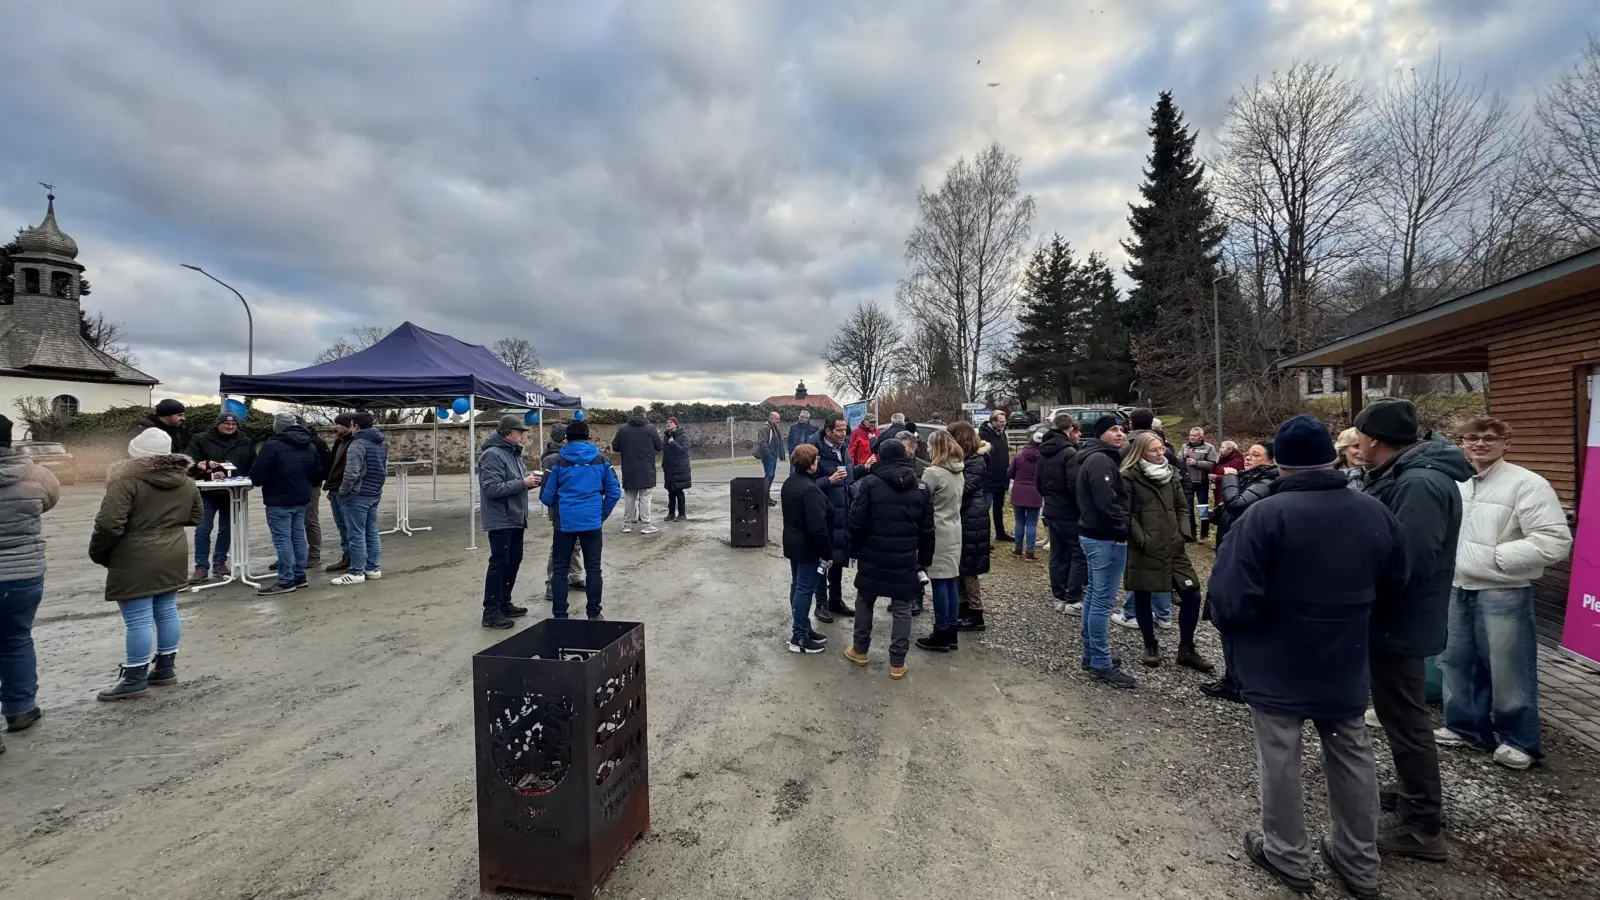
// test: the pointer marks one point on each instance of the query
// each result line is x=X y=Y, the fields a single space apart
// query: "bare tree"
x=1569 y=164
x=1440 y=146
x=1295 y=167
x=520 y=355
x=863 y=352
x=348 y=345
x=106 y=336
x=965 y=254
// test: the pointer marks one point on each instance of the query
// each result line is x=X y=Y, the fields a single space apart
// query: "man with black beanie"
x=1418 y=481
x=168 y=417
x=1105 y=521
x=213 y=451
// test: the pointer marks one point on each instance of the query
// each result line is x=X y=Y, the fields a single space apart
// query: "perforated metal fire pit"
x=563 y=763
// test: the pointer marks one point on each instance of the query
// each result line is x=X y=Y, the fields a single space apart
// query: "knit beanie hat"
x=1103 y=425
x=227 y=417
x=578 y=431
x=1392 y=420
x=283 y=422
x=150 y=442
x=1303 y=443
x=168 y=407
x=558 y=434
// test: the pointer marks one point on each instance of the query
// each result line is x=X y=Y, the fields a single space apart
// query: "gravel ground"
x=1516 y=834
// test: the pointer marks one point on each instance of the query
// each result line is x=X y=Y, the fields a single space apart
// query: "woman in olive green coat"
x=1157 y=558
x=138 y=536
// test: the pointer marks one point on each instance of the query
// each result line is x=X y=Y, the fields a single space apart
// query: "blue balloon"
x=442 y=414
x=461 y=406
x=237 y=408
x=577 y=415
x=532 y=418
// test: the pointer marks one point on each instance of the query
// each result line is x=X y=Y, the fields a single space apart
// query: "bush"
x=111 y=425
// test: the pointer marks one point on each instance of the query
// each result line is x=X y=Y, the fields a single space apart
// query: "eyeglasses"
x=1481 y=439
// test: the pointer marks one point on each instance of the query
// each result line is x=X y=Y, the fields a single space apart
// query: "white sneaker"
x=1074 y=609
x=1372 y=718
x=1124 y=621
x=649 y=529
x=1512 y=758
x=1162 y=623
x=349 y=578
x=1444 y=737
x=374 y=574
x=626 y=528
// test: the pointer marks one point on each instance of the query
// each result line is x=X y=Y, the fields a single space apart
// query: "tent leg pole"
x=472 y=471
x=436 y=456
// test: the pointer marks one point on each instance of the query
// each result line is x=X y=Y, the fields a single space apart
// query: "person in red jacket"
x=862 y=439
x=1229 y=458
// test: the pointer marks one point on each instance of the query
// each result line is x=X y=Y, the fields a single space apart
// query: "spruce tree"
x=1052 y=325
x=1107 y=371
x=1174 y=254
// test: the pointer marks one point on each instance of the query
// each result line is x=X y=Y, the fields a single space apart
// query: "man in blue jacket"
x=503 y=483
x=583 y=486
x=288 y=470
x=1298 y=610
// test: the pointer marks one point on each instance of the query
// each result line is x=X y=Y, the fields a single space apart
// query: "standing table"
x=402 y=500
x=239 y=531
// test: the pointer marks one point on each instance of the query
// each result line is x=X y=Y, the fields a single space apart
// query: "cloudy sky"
x=675 y=199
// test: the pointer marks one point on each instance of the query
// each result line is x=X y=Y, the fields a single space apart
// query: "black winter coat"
x=214 y=446
x=807 y=535
x=637 y=443
x=288 y=469
x=1238 y=493
x=675 y=460
x=1058 y=478
x=999 y=454
x=1419 y=486
x=1104 y=507
x=828 y=462
x=975 y=546
x=891 y=529
x=1295 y=606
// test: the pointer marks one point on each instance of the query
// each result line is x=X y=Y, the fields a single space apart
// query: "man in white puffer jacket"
x=1512 y=526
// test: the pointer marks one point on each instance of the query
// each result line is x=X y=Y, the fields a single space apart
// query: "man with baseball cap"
x=503 y=483
x=1418 y=481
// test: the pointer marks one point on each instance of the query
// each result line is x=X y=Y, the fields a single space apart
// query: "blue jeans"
x=149 y=617
x=1026 y=527
x=769 y=467
x=1106 y=560
x=19 y=668
x=288 y=527
x=215 y=508
x=946 y=602
x=803 y=578
x=561 y=568
x=361 y=532
x=338 y=522
x=1160 y=603
x=1491 y=669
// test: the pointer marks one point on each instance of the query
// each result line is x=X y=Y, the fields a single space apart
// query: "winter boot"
x=1152 y=656
x=201 y=574
x=1030 y=555
x=822 y=613
x=973 y=622
x=343 y=565
x=1190 y=658
x=836 y=604
x=1016 y=551
x=133 y=681
x=937 y=642
x=164 y=670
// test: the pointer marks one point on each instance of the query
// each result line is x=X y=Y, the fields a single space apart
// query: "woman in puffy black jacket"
x=1239 y=490
x=675 y=469
x=807 y=544
x=975 y=537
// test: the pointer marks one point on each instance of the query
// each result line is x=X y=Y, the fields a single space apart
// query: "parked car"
x=1085 y=415
x=52 y=456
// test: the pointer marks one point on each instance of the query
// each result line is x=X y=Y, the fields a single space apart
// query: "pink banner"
x=1581 y=635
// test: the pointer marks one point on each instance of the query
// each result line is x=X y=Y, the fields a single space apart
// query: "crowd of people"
x=1343 y=569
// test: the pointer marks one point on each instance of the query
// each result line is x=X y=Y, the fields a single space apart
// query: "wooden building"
x=1538 y=337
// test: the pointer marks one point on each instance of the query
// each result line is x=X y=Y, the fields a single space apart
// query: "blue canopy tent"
x=411 y=367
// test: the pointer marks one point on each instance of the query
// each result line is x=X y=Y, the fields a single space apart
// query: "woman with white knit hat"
x=139 y=537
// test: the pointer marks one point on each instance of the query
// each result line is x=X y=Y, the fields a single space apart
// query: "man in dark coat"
x=503 y=486
x=1058 y=485
x=314 y=507
x=801 y=432
x=1104 y=524
x=994 y=431
x=637 y=443
x=836 y=476
x=168 y=417
x=891 y=527
x=213 y=451
x=1418 y=482
x=807 y=544
x=676 y=470
x=336 y=457
x=1298 y=610
x=288 y=470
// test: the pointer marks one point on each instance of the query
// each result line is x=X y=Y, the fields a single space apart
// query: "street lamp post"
x=1216 y=346
x=250 y=363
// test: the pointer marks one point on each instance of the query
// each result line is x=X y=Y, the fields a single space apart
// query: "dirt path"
x=320 y=746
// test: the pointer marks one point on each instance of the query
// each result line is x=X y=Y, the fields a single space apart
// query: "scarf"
x=1160 y=473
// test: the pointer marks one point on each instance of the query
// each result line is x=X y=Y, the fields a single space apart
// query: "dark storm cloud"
x=669 y=197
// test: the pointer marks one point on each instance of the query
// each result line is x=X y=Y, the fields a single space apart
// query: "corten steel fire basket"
x=747 y=512
x=563 y=768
